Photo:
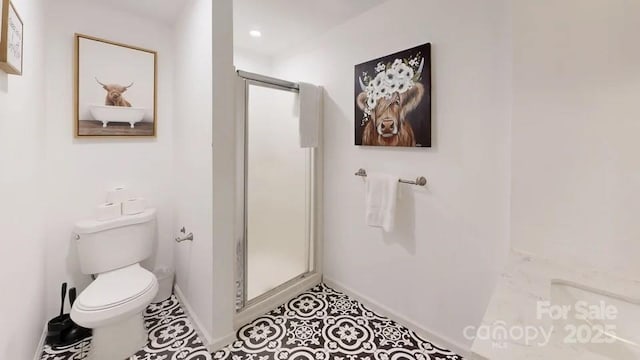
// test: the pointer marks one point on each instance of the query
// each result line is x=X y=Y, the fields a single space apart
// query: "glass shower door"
x=277 y=192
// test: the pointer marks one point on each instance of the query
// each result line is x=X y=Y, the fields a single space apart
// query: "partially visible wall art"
x=115 y=89
x=393 y=99
x=11 y=36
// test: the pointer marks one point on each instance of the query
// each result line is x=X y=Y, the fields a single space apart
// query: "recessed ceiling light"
x=255 y=33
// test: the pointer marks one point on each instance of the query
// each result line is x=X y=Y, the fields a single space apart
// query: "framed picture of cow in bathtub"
x=393 y=99
x=115 y=88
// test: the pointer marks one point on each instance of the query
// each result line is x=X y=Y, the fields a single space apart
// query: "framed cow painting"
x=393 y=99
x=115 y=88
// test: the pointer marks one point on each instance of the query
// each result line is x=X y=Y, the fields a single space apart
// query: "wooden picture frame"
x=115 y=89
x=11 y=39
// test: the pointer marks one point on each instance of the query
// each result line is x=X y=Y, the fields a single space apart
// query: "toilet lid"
x=116 y=287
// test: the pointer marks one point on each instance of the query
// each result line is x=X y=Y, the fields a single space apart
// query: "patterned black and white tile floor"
x=324 y=324
x=171 y=337
x=320 y=324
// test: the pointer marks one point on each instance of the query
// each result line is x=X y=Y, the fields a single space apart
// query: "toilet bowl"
x=113 y=304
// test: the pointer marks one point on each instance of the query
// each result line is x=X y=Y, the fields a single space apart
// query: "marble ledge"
x=526 y=281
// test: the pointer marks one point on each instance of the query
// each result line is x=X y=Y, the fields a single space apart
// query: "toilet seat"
x=113 y=295
x=116 y=287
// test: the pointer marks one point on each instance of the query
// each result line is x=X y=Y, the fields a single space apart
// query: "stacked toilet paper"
x=120 y=201
x=133 y=206
x=108 y=211
x=118 y=195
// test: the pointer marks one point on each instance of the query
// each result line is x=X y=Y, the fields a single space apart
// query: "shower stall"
x=277 y=250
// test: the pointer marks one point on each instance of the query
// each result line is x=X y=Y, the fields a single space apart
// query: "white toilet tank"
x=113 y=244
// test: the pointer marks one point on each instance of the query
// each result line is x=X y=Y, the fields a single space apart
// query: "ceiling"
x=165 y=11
x=288 y=23
x=284 y=24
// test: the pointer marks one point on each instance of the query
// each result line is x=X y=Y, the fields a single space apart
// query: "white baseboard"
x=429 y=335
x=40 y=346
x=219 y=343
x=197 y=324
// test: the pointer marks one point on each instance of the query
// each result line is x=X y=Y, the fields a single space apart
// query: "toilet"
x=113 y=304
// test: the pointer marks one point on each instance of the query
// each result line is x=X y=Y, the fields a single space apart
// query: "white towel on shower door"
x=309 y=111
x=381 y=198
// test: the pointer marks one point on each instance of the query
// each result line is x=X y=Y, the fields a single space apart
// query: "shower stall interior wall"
x=275 y=218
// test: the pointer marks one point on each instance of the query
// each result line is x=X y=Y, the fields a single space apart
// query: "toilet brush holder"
x=76 y=332
x=62 y=331
x=57 y=327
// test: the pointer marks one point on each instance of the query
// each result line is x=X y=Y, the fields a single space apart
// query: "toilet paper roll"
x=108 y=211
x=118 y=195
x=133 y=206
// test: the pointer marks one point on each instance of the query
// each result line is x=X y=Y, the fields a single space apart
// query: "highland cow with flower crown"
x=393 y=100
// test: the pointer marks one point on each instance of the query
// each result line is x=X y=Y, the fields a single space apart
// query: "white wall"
x=440 y=267
x=224 y=174
x=80 y=170
x=204 y=164
x=251 y=61
x=192 y=157
x=22 y=247
x=576 y=178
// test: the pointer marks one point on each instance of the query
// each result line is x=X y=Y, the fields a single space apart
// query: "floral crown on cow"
x=390 y=78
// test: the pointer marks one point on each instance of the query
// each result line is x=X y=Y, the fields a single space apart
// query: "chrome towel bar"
x=420 y=180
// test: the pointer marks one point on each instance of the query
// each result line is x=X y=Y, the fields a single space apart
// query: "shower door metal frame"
x=249 y=309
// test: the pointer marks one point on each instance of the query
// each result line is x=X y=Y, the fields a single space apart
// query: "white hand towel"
x=309 y=111
x=381 y=198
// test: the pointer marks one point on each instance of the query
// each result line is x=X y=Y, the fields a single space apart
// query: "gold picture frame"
x=11 y=39
x=104 y=105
